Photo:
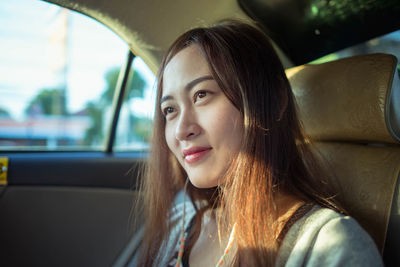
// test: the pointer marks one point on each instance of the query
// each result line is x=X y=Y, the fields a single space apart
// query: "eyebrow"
x=189 y=86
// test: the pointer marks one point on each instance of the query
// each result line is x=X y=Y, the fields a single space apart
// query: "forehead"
x=187 y=65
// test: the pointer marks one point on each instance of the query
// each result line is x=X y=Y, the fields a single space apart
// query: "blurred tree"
x=94 y=135
x=141 y=127
x=48 y=102
x=135 y=88
x=4 y=113
x=111 y=78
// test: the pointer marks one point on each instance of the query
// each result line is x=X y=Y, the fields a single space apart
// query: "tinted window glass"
x=388 y=44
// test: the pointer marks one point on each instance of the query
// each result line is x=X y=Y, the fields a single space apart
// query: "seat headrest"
x=351 y=99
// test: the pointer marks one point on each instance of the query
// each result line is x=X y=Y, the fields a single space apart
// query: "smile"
x=195 y=154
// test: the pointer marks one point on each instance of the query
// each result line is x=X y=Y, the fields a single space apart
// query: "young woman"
x=226 y=132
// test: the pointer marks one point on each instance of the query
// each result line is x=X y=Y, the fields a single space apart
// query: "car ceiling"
x=302 y=30
x=150 y=26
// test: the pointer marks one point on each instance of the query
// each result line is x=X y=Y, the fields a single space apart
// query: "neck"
x=211 y=243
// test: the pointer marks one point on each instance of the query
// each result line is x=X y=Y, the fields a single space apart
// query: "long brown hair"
x=275 y=156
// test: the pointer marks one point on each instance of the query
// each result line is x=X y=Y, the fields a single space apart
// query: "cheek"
x=226 y=127
x=233 y=133
x=170 y=138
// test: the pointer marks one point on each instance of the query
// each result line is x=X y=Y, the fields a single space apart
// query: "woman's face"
x=203 y=129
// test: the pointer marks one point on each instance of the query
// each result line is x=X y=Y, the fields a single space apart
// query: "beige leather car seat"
x=350 y=108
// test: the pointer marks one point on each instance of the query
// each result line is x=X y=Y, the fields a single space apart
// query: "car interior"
x=75 y=208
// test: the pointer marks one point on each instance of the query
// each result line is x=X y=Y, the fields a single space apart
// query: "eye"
x=168 y=110
x=199 y=95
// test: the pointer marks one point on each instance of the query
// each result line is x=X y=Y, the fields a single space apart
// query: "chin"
x=200 y=183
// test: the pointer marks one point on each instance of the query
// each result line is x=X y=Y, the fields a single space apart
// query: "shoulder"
x=324 y=237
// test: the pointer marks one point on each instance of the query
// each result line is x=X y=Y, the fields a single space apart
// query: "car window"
x=388 y=44
x=58 y=71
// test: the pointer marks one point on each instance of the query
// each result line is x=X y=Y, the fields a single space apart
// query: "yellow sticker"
x=3 y=170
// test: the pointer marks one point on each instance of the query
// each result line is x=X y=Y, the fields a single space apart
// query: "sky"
x=30 y=56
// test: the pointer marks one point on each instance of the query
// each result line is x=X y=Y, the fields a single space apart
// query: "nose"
x=187 y=126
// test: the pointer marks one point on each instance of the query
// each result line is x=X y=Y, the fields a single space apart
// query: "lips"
x=194 y=154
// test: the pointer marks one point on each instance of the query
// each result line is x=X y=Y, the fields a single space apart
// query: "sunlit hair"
x=275 y=156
